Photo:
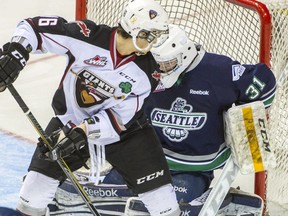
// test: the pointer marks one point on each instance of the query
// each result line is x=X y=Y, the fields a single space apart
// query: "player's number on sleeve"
x=47 y=21
x=253 y=91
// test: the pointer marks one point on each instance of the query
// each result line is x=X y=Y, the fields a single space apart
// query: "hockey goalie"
x=246 y=135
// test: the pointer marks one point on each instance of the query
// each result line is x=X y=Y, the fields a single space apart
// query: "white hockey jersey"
x=95 y=86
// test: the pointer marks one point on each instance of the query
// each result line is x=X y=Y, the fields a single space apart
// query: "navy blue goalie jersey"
x=188 y=118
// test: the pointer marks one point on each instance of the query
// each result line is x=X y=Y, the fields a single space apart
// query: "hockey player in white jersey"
x=99 y=101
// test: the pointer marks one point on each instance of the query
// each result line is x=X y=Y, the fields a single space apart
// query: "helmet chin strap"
x=141 y=51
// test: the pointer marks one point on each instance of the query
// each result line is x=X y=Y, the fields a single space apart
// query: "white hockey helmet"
x=148 y=16
x=175 y=55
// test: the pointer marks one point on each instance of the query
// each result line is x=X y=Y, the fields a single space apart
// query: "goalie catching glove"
x=63 y=142
x=13 y=59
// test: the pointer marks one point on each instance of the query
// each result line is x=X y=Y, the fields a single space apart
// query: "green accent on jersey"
x=125 y=87
x=219 y=160
x=269 y=101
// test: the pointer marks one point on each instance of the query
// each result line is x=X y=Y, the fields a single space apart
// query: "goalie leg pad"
x=9 y=211
x=243 y=204
x=236 y=203
x=190 y=185
x=135 y=207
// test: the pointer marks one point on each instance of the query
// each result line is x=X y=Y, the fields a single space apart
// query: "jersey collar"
x=113 y=53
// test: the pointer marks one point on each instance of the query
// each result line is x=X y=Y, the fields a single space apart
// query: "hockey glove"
x=52 y=140
x=13 y=59
x=64 y=142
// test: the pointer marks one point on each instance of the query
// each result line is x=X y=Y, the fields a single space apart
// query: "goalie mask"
x=175 y=55
x=145 y=16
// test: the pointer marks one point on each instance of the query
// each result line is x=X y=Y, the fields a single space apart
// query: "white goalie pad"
x=246 y=133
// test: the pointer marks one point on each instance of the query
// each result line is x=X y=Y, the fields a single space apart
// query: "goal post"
x=265 y=26
x=249 y=31
x=81 y=10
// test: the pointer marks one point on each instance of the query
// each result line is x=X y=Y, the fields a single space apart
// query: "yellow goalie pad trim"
x=246 y=133
x=252 y=139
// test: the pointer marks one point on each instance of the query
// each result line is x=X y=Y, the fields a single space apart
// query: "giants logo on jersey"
x=91 y=90
x=84 y=30
x=178 y=121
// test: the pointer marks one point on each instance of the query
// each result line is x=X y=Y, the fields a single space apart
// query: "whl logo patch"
x=178 y=121
x=97 y=61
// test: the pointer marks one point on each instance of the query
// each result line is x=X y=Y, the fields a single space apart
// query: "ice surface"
x=15 y=156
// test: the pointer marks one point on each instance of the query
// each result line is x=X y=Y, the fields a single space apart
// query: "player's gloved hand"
x=52 y=140
x=13 y=58
x=64 y=142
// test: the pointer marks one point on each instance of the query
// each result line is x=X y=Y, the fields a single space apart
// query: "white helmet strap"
x=141 y=51
x=150 y=38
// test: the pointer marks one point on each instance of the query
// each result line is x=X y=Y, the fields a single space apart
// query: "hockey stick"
x=220 y=190
x=69 y=174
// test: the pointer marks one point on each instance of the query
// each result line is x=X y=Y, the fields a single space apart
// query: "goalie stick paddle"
x=220 y=190
x=60 y=161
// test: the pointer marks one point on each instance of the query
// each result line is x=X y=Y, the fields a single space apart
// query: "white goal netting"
x=277 y=179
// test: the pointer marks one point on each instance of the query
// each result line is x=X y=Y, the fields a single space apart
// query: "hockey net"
x=246 y=30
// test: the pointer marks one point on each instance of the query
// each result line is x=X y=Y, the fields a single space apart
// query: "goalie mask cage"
x=248 y=31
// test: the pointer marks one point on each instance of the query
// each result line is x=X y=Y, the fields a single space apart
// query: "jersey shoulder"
x=84 y=30
x=90 y=32
x=149 y=66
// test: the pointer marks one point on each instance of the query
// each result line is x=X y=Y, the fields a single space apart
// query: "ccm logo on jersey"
x=150 y=177
x=84 y=30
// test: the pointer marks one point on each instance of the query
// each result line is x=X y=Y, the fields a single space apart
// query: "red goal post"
x=249 y=31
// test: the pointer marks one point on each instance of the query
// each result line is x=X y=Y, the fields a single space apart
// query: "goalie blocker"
x=247 y=135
